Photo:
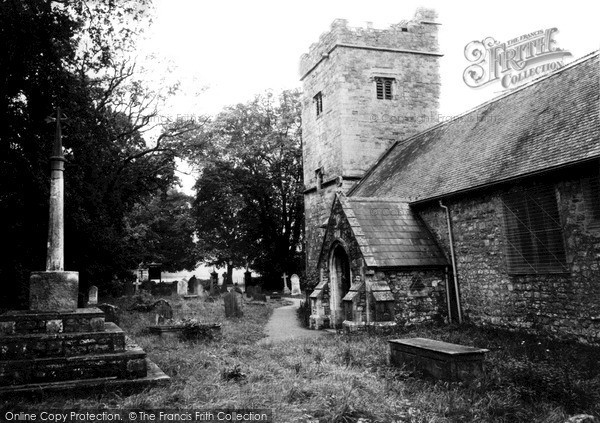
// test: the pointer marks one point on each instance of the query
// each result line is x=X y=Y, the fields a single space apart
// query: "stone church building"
x=492 y=217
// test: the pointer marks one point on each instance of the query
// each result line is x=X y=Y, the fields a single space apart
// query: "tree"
x=74 y=54
x=162 y=230
x=248 y=208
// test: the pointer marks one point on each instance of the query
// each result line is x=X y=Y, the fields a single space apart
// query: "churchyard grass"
x=346 y=378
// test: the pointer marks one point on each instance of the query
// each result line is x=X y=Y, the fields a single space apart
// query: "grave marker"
x=137 y=285
x=286 y=290
x=110 y=313
x=295 y=284
x=93 y=295
x=233 y=303
x=163 y=310
x=182 y=287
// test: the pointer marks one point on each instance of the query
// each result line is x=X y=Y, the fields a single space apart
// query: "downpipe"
x=453 y=259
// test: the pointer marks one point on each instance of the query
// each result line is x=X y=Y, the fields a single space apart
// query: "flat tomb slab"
x=441 y=360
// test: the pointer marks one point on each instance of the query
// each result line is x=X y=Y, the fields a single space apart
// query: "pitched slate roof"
x=389 y=234
x=550 y=123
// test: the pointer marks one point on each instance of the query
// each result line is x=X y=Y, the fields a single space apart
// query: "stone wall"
x=567 y=305
x=420 y=295
x=355 y=128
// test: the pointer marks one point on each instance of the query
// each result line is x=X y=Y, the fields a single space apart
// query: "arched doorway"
x=339 y=271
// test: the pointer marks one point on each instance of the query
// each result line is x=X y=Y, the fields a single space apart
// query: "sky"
x=225 y=52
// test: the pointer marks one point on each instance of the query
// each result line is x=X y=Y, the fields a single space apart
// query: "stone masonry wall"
x=566 y=305
x=355 y=128
x=420 y=295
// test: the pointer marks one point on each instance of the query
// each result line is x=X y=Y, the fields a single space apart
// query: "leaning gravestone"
x=93 y=295
x=295 y=284
x=163 y=311
x=233 y=306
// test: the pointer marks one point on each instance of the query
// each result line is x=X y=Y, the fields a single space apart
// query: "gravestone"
x=233 y=304
x=182 y=287
x=224 y=282
x=250 y=291
x=259 y=297
x=110 y=313
x=286 y=290
x=193 y=286
x=295 y=284
x=214 y=283
x=93 y=295
x=239 y=300
x=257 y=292
x=163 y=311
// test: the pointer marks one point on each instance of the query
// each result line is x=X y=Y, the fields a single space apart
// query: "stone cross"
x=55 y=259
x=93 y=295
x=286 y=290
x=295 y=284
x=137 y=284
x=55 y=289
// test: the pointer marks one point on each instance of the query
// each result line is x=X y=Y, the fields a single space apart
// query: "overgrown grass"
x=340 y=378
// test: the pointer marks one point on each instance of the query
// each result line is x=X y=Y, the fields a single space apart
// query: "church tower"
x=364 y=89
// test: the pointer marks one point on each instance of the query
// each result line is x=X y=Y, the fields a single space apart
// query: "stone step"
x=23 y=322
x=40 y=345
x=154 y=377
x=127 y=364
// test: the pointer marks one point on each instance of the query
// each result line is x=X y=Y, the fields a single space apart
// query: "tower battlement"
x=417 y=34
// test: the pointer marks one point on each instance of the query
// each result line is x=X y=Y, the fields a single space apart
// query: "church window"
x=384 y=88
x=534 y=239
x=318 y=100
x=319 y=177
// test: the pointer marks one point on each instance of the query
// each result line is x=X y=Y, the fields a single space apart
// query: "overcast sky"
x=225 y=52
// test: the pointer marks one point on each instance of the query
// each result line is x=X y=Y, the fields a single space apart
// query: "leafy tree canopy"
x=249 y=208
x=74 y=55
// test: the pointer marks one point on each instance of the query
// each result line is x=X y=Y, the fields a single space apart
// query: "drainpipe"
x=447 y=281
x=453 y=258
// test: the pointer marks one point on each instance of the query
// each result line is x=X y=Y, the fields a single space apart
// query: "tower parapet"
x=418 y=34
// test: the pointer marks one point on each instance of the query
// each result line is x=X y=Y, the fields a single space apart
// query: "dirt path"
x=284 y=325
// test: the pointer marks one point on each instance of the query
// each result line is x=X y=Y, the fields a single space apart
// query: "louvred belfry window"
x=384 y=88
x=533 y=232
